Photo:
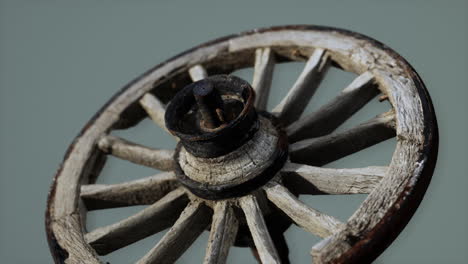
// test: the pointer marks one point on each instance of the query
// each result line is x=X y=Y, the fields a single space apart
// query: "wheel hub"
x=226 y=148
x=213 y=127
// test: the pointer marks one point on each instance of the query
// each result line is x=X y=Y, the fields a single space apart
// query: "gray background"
x=61 y=60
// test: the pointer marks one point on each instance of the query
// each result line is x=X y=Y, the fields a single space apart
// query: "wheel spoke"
x=191 y=223
x=197 y=73
x=325 y=149
x=263 y=74
x=310 y=219
x=295 y=102
x=223 y=234
x=138 y=192
x=154 y=158
x=150 y=220
x=305 y=179
x=337 y=111
x=154 y=108
x=263 y=242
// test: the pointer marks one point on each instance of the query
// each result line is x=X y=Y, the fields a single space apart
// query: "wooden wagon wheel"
x=238 y=166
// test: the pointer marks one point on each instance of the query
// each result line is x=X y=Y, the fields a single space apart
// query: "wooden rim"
x=372 y=227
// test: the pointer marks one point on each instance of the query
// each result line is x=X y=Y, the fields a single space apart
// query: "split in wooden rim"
x=394 y=191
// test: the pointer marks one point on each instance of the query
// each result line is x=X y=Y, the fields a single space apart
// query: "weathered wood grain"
x=374 y=209
x=408 y=173
x=337 y=111
x=263 y=242
x=308 y=218
x=191 y=223
x=222 y=235
x=262 y=77
x=399 y=186
x=295 y=102
x=155 y=109
x=237 y=166
x=325 y=149
x=142 y=191
x=68 y=233
x=304 y=179
x=197 y=72
x=148 y=221
x=121 y=148
x=64 y=195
